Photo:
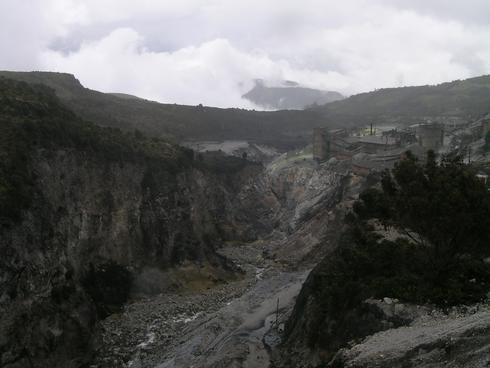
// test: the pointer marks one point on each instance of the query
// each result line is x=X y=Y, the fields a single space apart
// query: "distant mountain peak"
x=288 y=95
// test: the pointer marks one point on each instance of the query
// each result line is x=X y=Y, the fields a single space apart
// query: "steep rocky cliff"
x=309 y=198
x=396 y=290
x=86 y=211
x=224 y=325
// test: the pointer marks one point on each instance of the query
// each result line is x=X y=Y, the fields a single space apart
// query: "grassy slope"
x=468 y=98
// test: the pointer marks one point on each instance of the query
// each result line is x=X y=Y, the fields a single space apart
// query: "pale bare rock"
x=460 y=339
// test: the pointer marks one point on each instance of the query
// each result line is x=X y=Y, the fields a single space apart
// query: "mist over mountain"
x=244 y=184
x=285 y=129
x=460 y=100
x=122 y=246
x=288 y=95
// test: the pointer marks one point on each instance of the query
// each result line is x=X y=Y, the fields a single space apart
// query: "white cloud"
x=215 y=73
x=196 y=51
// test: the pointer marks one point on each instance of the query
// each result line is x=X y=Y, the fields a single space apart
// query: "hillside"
x=86 y=213
x=285 y=129
x=289 y=96
x=411 y=259
x=462 y=99
x=92 y=218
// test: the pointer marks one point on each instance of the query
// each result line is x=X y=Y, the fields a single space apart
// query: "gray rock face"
x=307 y=195
x=391 y=334
x=87 y=212
x=147 y=218
x=228 y=325
x=368 y=318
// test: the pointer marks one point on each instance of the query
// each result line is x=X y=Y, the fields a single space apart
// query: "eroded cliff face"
x=104 y=215
x=225 y=325
x=307 y=202
x=93 y=218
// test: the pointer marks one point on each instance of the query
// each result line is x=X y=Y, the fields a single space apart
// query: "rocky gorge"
x=125 y=250
x=104 y=224
x=226 y=325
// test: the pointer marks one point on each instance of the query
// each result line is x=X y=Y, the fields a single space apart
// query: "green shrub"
x=442 y=213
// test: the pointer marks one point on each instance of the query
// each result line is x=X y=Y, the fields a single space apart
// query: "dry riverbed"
x=219 y=327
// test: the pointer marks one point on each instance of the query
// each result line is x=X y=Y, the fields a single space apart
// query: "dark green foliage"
x=109 y=285
x=442 y=214
x=444 y=207
x=32 y=118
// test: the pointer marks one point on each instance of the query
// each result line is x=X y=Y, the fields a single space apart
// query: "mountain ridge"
x=460 y=100
x=289 y=95
x=286 y=129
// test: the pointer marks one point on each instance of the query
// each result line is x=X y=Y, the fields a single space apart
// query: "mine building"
x=430 y=136
x=328 y=143
x=376 y=143
x=404 y=137
x=321 y=144
x=485 y=125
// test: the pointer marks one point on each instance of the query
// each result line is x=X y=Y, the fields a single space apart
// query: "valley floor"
x=220 y=327
x=225 y=325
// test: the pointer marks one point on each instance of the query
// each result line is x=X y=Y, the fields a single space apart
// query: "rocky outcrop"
x=94 y=218
x=99 y=229
x=309 y=216
x=106 y=215
x=333 y=325
x=389 y=334
x=342 y=333
x=456 y=339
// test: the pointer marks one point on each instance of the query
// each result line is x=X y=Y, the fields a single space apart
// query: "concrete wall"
x=485 y=124
x=430 y=136
x=321 y=144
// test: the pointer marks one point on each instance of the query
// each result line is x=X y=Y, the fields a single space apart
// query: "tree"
x=442 y=206
x=441 y=212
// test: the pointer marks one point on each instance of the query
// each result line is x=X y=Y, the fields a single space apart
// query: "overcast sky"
x=210 y=51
